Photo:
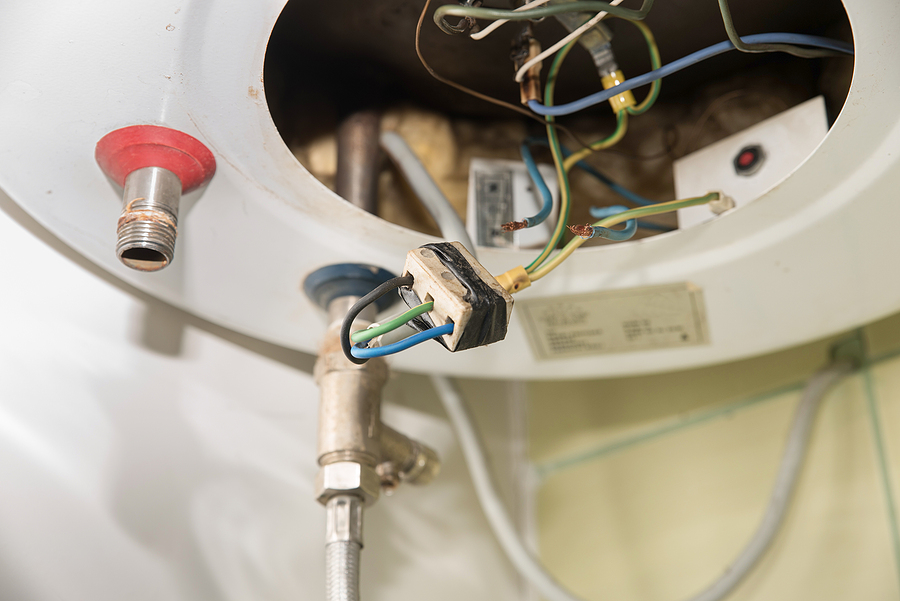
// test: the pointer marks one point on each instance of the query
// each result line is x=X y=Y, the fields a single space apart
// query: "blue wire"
x=601 y=212
x=687 y=61
x=605 y=232
x=541 y=185
x=402 y=345
x=618 y=189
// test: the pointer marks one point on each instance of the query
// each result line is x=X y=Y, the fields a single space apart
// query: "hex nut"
x=347 y=478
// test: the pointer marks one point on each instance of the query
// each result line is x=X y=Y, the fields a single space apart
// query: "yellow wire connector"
x=623 y=100
x=514 y=280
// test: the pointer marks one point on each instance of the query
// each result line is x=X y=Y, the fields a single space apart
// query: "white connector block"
x=464 y=294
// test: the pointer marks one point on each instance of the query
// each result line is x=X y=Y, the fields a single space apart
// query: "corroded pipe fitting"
x=148 y=225
x=154 y=165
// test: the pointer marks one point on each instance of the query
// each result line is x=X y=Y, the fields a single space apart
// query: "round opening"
x=329 y=62
x=143 y=259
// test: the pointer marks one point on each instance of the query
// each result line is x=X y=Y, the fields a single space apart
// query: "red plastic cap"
x=125 y=150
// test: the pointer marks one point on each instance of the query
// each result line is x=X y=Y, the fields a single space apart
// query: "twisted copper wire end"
x=585 y=231
x=513 y=226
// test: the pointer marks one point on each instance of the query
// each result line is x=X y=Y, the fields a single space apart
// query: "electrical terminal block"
x=724 y=203
x=621 y=101
x=465 y=294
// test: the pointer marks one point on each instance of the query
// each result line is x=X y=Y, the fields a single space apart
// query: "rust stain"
x=170 y=27
x=131 y=203
x=252 y=92
x=154 y=216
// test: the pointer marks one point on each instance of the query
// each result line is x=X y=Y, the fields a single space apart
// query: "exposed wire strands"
x=555 y=150
x=375 y=331
x=360 y=305
x=663 y=207
x=678 y=65
x=615 y=235
x=402 y=345
x=574 y=35
x=559 y=162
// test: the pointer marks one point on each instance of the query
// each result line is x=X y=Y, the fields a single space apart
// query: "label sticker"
x=615 y=321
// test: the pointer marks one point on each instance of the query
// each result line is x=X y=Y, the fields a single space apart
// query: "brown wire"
x=479 y=95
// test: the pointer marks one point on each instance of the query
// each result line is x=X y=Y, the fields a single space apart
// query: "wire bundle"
x=359 y=353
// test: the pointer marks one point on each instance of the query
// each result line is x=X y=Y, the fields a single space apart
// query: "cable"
x=426 y=190
x=529 y=568
x=555 y=150
x=785 y=483
x=615 y=235
x=541 y=185
x=678 y=65
x=475 y=93
x=574 y=34
x=655 y=63
x=592 y=6
x=601 y=212
x=591 y=170
x=560 y=163
x=488 y=497
x=581 y=230
x=764 y=47
x=361 y=304
x=612 y=140
x=374 y=331
x=396 y=347
x=480 y=35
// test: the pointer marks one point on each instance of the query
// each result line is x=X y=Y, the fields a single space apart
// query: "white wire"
x=426 y=190
x=520 y=74
x=496 y=24
x=490 y=501
x=534 y=572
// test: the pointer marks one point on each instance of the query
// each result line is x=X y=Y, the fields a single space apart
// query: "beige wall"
x=651 y=485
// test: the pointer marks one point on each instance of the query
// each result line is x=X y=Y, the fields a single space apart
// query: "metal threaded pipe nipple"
x=148 y=225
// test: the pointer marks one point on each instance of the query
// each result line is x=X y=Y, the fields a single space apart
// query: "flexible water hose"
x=342 y=571
x=343 y=542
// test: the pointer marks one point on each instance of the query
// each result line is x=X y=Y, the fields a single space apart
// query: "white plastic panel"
x=785 y=141
x=794 y=265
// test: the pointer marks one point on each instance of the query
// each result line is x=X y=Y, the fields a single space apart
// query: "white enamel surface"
x=807 y=259
x=147 y=456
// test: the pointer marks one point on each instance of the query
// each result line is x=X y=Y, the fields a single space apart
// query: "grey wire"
x=530 y=569
x=785 y=483
x=489 y=498
x=426 y=190
x=757 y=48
